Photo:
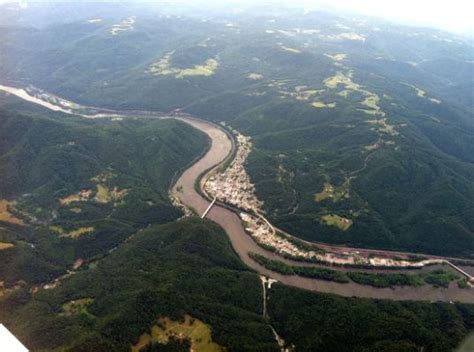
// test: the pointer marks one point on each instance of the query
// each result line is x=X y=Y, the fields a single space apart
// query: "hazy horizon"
x=454 y=16
x=237 y=175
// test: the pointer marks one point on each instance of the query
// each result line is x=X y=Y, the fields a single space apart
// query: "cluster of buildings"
x=42 y=95
x=233 y=187
x=265 y=235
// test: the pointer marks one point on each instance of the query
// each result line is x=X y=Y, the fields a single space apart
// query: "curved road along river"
x=242 y=243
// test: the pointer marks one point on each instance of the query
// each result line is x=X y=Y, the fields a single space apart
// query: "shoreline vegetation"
x=436 y=278
x=351 y=150
x=322 y=272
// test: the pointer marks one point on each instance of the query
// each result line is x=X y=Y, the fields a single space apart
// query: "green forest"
x=379 y=115
x=189 y=267
x=436 y=277
x=81 y=187
x=350 y=118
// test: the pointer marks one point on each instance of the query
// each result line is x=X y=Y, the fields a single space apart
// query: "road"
x=220 y=149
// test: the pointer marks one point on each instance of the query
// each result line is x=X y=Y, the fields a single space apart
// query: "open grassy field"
x=320 y=104
x=125 y=25
x=190 y=328
x=300 y=93
x=164 y=67
x=79 y=232
x=383 y=126
x=342 y=79
x=70 y=199
x=372 y=102
x=103 y=194
x=254 y=76
x=337 y=57
x=5 y=245
x=78 y=306
x=74 y=233
x=422 y=94
x=371 y=99
x=291 y=50
x=258 y=73
x=5 y=215
x=332 y=192
x=340 y=222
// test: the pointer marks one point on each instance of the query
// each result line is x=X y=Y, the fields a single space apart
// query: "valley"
x=244 y=244
x=234 y=176
x=344 y=106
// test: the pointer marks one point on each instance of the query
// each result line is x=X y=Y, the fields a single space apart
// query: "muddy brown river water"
x=241 y=242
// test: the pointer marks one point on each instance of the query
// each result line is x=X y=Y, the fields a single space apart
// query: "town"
x=233 y=187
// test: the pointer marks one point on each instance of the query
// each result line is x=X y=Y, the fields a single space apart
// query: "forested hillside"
x=189 y=268
x=362 y=133
x=186 y=267
x=329 y=323
x=73 y=189
x=352 y=118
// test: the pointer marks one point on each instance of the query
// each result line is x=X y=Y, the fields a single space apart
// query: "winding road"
x=242 y=243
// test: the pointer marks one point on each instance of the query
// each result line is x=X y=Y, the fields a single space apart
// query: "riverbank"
x=243 y=244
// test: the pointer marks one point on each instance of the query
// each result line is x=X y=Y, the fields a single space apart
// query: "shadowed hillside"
x=74 y=188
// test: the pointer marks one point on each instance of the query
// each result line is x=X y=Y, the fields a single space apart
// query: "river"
x=242 y=243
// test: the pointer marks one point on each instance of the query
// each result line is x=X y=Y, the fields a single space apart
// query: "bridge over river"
x=243 y=244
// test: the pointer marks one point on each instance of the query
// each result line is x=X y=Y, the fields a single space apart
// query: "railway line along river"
x=243 y=244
